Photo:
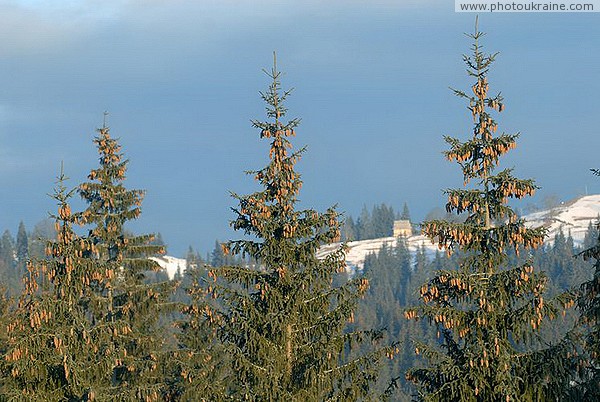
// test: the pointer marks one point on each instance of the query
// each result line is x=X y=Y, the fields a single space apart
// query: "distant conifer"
x=200 y=365
x=22 y=245
x=405 y=213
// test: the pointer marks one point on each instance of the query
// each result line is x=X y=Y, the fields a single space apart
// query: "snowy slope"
x=572 y=217
x=358 y=250
x=171 y=265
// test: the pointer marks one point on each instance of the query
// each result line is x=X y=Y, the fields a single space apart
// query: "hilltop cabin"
x=402 y=228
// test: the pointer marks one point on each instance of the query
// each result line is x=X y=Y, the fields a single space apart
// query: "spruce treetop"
x=270 y=214
x=68 y=280
x=110 y=203
x=491 y=225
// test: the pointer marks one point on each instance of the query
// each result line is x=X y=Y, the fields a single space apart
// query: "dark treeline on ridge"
x=372 y=225
x=494 y=315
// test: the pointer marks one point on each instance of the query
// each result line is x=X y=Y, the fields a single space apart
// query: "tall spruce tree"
x=50 y=353
x=486 y=310
x=124 y=307
x=588 y=303
x=283 y=322
x=21 y=251
x=364 y=225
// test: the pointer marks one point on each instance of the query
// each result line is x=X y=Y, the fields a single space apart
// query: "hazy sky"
x=181 y=79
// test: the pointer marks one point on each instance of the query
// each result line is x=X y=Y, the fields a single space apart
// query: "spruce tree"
x=199 y=366
x=588 y=303
x=41 y=233
x=10 y=275
x=123 y=306
x=50 y=352
x=364 y=225
x=7 y=249
x=389 y=272
x=282 y=323
x=217 y=256
x=21 y=251
x=348 y=230
x=486 y=310
x=405 y=213
x=22 y=245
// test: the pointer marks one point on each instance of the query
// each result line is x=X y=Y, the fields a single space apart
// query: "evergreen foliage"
x=200 y=364
x=405 y=213
x=124 y=308
x=94 y=320
x=14 y=253
x=588 y=303
x=370 y=225
x=348 y=230
x=4 y=318
x=218 y=258
x=389 y=294
x=50 y=354
x=7 y=248
x=390 y=272
x=8 y=262
x=193 y=259
x=364 y=225
x=22 y=249
x=41 y=233
x=487 y=310
x=283 y=323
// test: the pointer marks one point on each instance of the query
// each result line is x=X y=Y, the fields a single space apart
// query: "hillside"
x=573 y=217
x=171 y=265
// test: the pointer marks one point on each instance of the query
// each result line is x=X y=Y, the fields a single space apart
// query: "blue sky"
x=181 y=79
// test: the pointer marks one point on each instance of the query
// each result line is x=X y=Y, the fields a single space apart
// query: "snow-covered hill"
x=358 y=250
x=171 y=265
x=573 y=217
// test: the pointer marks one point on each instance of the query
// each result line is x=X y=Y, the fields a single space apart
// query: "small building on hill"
x=402 y=228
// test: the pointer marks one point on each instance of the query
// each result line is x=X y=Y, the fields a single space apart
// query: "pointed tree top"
x=104 y=126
